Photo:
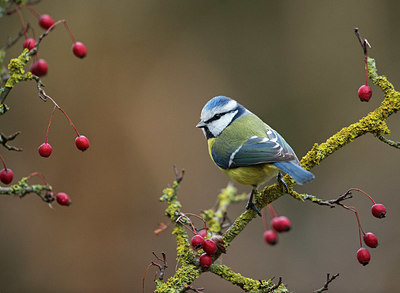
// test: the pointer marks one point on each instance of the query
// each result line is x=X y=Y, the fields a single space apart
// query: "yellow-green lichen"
x=247 y=284
x=184 y=254
x=183 y=277
x=16 y=69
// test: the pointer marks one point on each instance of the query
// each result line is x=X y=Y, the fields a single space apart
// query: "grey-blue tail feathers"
x=298 y=173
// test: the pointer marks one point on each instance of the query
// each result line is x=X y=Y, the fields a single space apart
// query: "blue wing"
x=257 y=150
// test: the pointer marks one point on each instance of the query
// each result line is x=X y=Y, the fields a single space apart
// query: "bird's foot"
x=281 y=181
x=251 y=204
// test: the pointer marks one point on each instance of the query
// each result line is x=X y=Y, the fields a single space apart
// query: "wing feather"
x=255 y=150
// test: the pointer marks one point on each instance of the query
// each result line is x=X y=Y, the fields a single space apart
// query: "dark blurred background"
x=150 y=68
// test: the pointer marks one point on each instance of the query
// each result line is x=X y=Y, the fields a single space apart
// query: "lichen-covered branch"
x=16 y=71
x=190 y=269
x=22 y=188
x=181 y=280
x=216 y=217
x=247 y=284
x=373 y=123
x=184 y=254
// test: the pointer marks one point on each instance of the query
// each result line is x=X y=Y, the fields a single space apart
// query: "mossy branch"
x=247 y=284
x=190 y=268
x=17 y=72
x=184 y=254
x=22 y=188
x=216 y=217
x=373 y=123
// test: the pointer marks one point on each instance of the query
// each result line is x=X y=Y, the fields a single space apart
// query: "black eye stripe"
x=218 y=115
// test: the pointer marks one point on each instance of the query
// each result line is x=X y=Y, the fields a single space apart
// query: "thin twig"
x=5 y=139
x=395 y=144
x=363 y=42
x=329 y=279
x=178 y=177
x=12 y=42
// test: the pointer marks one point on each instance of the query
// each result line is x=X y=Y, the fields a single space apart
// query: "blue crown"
x=217 y=101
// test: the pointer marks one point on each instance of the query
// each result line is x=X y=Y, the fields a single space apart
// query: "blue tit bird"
x=245 y=148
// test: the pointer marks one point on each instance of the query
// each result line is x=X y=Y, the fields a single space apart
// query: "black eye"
x=217 y=116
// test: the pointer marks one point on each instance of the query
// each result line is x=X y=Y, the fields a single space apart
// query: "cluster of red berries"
x=208 y=245
x=39 y=67
x=201 y=241
x=81 y=141
x=279 y=224
x=369 y=238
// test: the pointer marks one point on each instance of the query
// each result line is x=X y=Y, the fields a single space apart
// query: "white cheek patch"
x=217 y=126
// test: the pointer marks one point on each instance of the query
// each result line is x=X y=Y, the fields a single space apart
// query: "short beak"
x=201 y=124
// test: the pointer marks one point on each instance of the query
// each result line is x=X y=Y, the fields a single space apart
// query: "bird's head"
x=217 y=114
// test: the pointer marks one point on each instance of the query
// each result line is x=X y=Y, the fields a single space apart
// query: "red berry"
x=363 y=256
x=39 y=67
x=378 y=210
x=281 y=224
x=82 y=143
x=29 y=43
x=270 y=237
x=364 y=93
x=197 y=241
x=370 y=240
x=63 y=199
x=45 y=21
x=79 y=49
x=203 y=232
x=6 y=175
x=45 y=150
x=210 y=247
x=205 y=260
